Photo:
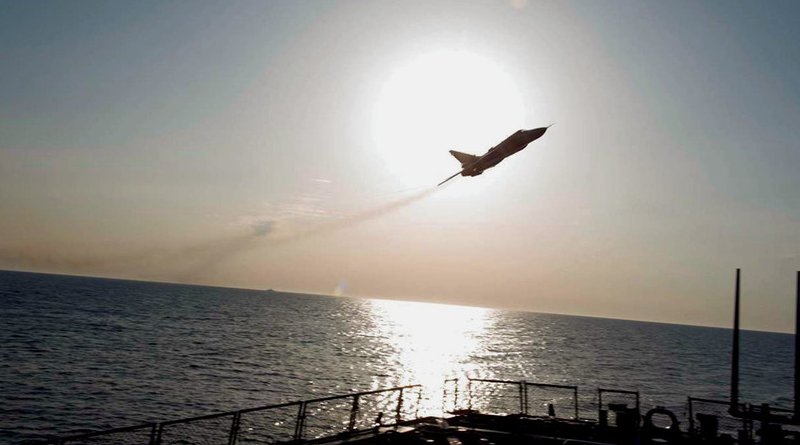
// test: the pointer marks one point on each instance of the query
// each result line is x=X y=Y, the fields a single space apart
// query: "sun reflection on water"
x=429 y=343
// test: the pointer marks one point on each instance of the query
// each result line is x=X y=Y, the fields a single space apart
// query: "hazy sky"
x=291 y=145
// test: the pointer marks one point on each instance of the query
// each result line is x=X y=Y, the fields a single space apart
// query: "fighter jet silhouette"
x=472 y=165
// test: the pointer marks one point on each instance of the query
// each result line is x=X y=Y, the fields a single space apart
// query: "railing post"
x=455 y=394
x=234 y=428
x=575 y=394
x=599 y=402
x=444 y=397
x=398 y=412
x=523 y=398
x=353 y=413
x=796 y=413
x=419 y=402
x=299 y=423
x=735 y=349
x=158 y=435
x=469 y=394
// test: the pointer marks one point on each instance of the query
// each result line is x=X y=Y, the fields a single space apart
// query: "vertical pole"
x=353 y=414
x=398 y=415
x=455 y=397
x=444 y=398
x=575 y=394
x=469 y=394
x=797 y=350
x=299 y=424
x=735 y=352
x=527 y=407
x=419 y=403
x=599 y=402
x=158 y=435
x=234 y=429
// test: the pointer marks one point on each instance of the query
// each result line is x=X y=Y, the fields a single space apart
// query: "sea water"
x=81 y=353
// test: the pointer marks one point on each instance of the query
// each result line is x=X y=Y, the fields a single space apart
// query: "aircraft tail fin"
x=463 y=158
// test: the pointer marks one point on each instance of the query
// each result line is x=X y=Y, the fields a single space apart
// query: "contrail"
x=161 y=263
x=353 y=219
x=189 y=262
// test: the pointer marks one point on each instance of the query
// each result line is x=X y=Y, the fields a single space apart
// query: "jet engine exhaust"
x=353 y=219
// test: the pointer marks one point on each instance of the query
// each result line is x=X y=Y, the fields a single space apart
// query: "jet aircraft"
x=472 y=165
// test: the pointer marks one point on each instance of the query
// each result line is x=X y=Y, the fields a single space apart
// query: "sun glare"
x=433 y=342
x=439 y=102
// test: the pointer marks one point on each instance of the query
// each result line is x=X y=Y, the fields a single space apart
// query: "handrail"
x=520 y=386
x=261 y=408
x=494 y=381
x=355 y=406
x=552 y=385
x=600 y=392
x=232 y=432
x=395 y=403
x=574 y=389
x=157 y=430
x=362 y=393
x=454 y=381
x=196 y=418
x=523 y=392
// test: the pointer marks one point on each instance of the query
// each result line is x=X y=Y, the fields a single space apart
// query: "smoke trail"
x=351 y=220
x=207 y=258
x=187 y=263
x=153 y=263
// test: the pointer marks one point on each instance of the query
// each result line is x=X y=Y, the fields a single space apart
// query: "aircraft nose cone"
x=539 y=132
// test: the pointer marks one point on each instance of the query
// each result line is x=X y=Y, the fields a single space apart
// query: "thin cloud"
x=263 y=228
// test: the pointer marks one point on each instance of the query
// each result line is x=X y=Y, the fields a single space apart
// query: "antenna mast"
x=734 y=408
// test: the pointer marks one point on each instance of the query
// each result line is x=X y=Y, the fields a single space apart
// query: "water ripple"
x=81 y=353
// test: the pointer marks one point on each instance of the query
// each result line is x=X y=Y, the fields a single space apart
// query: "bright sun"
x=439 y=102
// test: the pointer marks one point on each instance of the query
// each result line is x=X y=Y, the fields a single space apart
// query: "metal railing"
x=400 y=404
x=509 y=395
x=369 y=411
x=217 y=428
x=293 y=421
x=450 y=386
x=551 y=395
x=270 y=424
x=622 y=415
x=617 y=392
x=719 y=419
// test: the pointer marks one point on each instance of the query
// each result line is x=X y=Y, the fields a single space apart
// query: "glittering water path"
x=83 y=353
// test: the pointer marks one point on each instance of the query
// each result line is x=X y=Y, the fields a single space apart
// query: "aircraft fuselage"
x=512 y=144
x=472 y=165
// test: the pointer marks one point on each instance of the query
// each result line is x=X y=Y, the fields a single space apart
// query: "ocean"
x=80 y=354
